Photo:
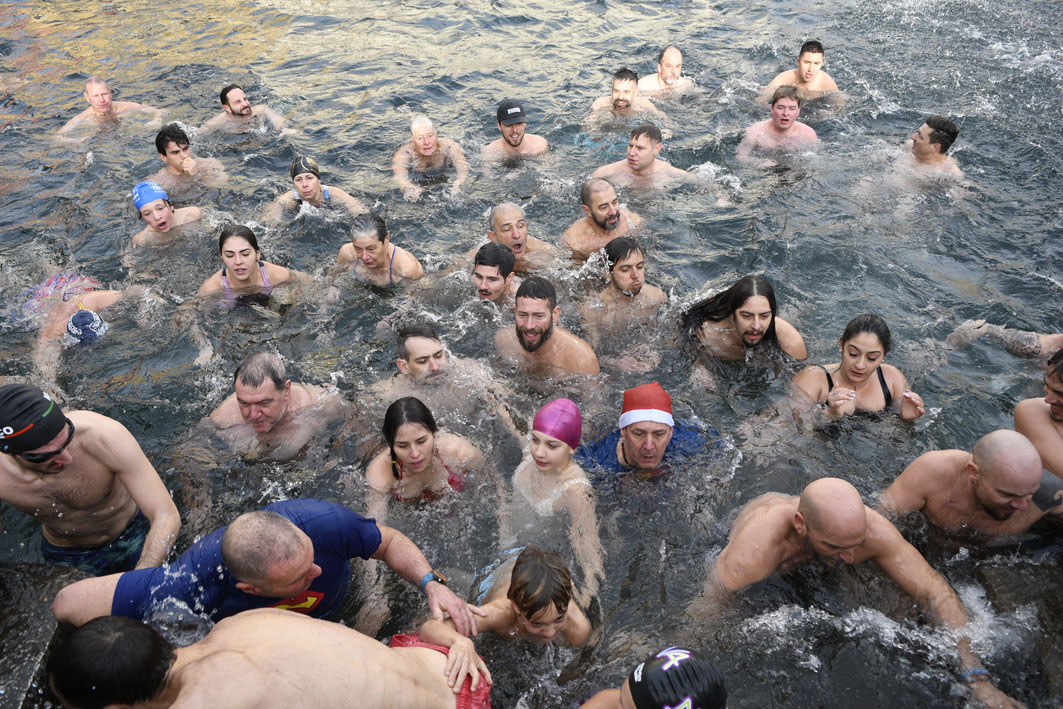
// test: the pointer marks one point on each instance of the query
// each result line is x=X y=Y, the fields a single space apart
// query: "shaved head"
x=833 y=508
x=1008 y=458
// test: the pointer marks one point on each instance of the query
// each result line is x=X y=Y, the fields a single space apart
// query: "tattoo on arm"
x=1018 y=342
x=1050 y=493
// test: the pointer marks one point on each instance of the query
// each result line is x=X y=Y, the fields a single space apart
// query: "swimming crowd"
x=270 y=576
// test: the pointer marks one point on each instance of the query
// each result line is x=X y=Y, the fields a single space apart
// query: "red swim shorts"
x=467 y=699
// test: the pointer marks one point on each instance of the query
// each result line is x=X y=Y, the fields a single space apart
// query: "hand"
x=332 y=295
x=441 y=598
x=188 y=165
x=631 y=365
x=841 y=402
x=462 y=661
x=411 y=193
x=966 y=333
x=989 y=696
x=912 y=406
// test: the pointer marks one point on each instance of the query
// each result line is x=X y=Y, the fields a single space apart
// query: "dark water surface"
x=839 y=233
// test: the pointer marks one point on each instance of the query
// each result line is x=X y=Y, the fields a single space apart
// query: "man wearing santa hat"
x=648 y=437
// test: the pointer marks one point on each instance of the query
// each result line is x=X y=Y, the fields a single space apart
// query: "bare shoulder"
x=378 y=474
x=212 y=284
x=812 y=381
x=459 y=448
x=894 y=379
x=790 y=339
x=277 y=274
x=208 y=681
x=654 y=294
x=601 y=103
x=227 y=414
x=635 y=219
x=449 y=145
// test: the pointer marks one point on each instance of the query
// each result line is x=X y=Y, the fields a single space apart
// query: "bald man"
x=507 y=225
x=986 y=493
x=604 y=219
x=830 y=523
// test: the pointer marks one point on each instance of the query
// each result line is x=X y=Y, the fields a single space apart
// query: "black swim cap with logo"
x=28 y=418
x=305 y=164
x=676 y=678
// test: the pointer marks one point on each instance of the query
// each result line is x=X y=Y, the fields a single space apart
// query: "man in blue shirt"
x=648 y=437
x=294 y=555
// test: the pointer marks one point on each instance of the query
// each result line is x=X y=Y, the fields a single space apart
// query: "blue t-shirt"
x=199 y=578
x=687 y=440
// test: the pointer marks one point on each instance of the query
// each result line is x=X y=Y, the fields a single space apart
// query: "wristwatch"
x=432 y=575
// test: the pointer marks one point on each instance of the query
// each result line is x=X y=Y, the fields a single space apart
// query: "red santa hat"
x=647 y=402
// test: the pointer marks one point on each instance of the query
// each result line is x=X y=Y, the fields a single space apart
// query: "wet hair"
x=408 y=409
x=785 y=92
x=540 y=579
x=625 y=74
x=170 y=133
x=1055 y=365
x=240 y=230
x=259 y=366
x=811 y=46
x=369 y=223
x=538 y=288
x=224 y=95
x=495 y=254
x=94 y=80
x=255 y=541
x=590 y=187
x=647 y=129
x=619 y=249
x=942 y=131
x=419 y=330
x=110 y=660
x=723 y=305
x=660 y=55
x=421 y=120
x=869 y=323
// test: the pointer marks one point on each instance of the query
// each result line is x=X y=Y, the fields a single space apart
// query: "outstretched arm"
x=461 y=164
x=400 y=169
x=84 y=600
x=586 y=544
x=462 y=659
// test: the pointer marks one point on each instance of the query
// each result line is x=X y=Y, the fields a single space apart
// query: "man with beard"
x=515 y=142
x=538 y=342
x=830 y=523
x=624 y=101
x=642 y=166
x=780 y=133
x=604 y=219
x=508 y=226
x=102 y=110
x=735 y=321
x=101 y=505
x=1041 y=419
x=669 y=79
x=270 y=415
x=626 y=302
x=985 y=493
x=492 y=273
x=239 y=116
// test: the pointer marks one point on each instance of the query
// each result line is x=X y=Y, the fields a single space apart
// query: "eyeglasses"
x=41 y=457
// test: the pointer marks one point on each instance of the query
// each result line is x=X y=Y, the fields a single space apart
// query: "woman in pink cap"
x=548 y=482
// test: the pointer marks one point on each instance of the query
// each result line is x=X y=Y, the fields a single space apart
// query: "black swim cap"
x=679 y=679
x=305 y=164
x=28 y=418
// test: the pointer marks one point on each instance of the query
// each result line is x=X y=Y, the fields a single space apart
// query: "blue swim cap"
x=85 y=327
x=146 y=193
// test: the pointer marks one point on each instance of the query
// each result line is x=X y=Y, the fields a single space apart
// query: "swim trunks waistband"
x=119 y=554
x=466 y=699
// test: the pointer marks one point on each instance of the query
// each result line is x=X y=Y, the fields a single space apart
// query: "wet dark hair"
x=869 y=323
x=259 y=366
x=724 y=304
x=660 y=55
x=785 y=92
x=625 y=74
x=369 y=222
x=170 y=133
x=619 y=249
x=419 y=330
x=538 y=288
x=240 y=230
x=942 y=131
x=647 y=129
x=225 y=93
x=408 y=409
x=540 y=579
x=1055 y=365
x=495 y=254
x=590 y=187
x=811 y=46
x=110 y=660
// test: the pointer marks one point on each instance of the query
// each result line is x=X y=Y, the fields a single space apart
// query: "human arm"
x=272 y=116
x=909 y=491
x=377 y=488
x=351 y=204
x=275 y=211
x=810 y=386
x=400 y=169
x=462 y=659
x=404 y=558
x=461 y=164
x=1033 y=421
x=586 y=544
x=84 y=600
x=790 y=340
x=211 y=172
x=123 y=455
x=912 y=406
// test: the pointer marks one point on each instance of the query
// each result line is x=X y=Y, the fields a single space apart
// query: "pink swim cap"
x=560 y=419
